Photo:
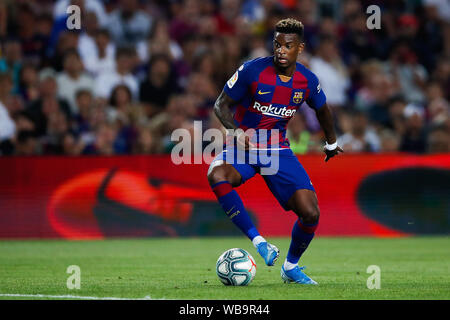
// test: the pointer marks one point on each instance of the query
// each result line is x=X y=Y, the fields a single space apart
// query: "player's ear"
x=301 y=47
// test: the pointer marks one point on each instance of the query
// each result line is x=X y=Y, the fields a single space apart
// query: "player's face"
x=286 y=48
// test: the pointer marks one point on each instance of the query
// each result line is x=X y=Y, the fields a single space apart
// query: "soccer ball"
x=236 y=267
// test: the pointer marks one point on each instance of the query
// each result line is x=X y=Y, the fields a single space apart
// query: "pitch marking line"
x=71 y=297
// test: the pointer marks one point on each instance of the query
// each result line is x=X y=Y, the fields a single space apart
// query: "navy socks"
x=234 y=208
x=302 y=234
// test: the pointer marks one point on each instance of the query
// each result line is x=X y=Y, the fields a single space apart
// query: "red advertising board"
x=144 y=196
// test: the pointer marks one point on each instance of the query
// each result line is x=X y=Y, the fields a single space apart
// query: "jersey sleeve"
x=238 y=84
x=316 y=97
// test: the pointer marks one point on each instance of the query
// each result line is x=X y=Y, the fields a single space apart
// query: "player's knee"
x=311 y=215
x=216 y=175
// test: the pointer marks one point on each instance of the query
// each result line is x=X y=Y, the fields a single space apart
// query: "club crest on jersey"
x=298 y=96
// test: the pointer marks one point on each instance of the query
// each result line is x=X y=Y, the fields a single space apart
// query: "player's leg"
x=292 y=187
x=223 y=177
x=304 y=203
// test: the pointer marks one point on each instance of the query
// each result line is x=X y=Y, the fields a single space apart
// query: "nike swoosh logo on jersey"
x=259 y=92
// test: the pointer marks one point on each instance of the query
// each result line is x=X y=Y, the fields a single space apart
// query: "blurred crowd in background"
x=138 y=69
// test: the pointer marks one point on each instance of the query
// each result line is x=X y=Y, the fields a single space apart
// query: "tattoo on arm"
x=223 y=112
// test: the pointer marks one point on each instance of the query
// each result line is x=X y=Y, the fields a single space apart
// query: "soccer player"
x=266 y=93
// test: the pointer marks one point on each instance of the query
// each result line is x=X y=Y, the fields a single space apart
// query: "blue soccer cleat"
x=296 y=275
x=269 y=252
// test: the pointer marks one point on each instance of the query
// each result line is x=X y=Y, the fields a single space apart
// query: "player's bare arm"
x=325 y=118
x=222 y=109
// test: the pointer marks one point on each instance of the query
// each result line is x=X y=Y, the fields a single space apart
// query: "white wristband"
x=331 y=147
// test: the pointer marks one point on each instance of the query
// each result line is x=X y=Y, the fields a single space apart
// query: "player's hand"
x=331 y=153
x=243 y=141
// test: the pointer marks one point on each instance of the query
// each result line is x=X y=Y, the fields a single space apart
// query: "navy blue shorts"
x=280 y=169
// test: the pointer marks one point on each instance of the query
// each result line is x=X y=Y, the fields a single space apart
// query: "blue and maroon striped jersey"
x=264 y=101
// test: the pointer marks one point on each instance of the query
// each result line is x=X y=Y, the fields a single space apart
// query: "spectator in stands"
x=228 y=16
x=72 y=79
x=57 y=128
x=128 y=24
x=159 y=85
x=107 y=81
x=120 y=104
x=159 y=43
x=86 y=42
x=429 y=40
x=442 y=74
x=205 y=62
x=377 y=89
x=438 y=109
x=358 y=43
x=127 y=115
x=185 y=21
x=23 y=122
x=29 y=83
x=403 y=66
x=438 y=140
x=12 y=61
x=85 y=104
x=47 y=102
x=147 y=142
x=7 y=125
x=71 y=146
x=231 y=55
x=105 y=137
x=102 y=59
x=332 y=72
x=67 y=40
x=27 y=144
x=96 y=117
x=44 y=24
x=258 y=48
x=362 y=137
x=389 y=141
x=31 y=41
x=414 y=137
x=396 y=109
x=201 y=92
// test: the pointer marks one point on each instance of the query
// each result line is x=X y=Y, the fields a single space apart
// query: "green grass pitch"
x=184 y=268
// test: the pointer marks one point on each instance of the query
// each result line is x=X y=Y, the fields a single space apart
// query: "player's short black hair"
x=290 y=25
